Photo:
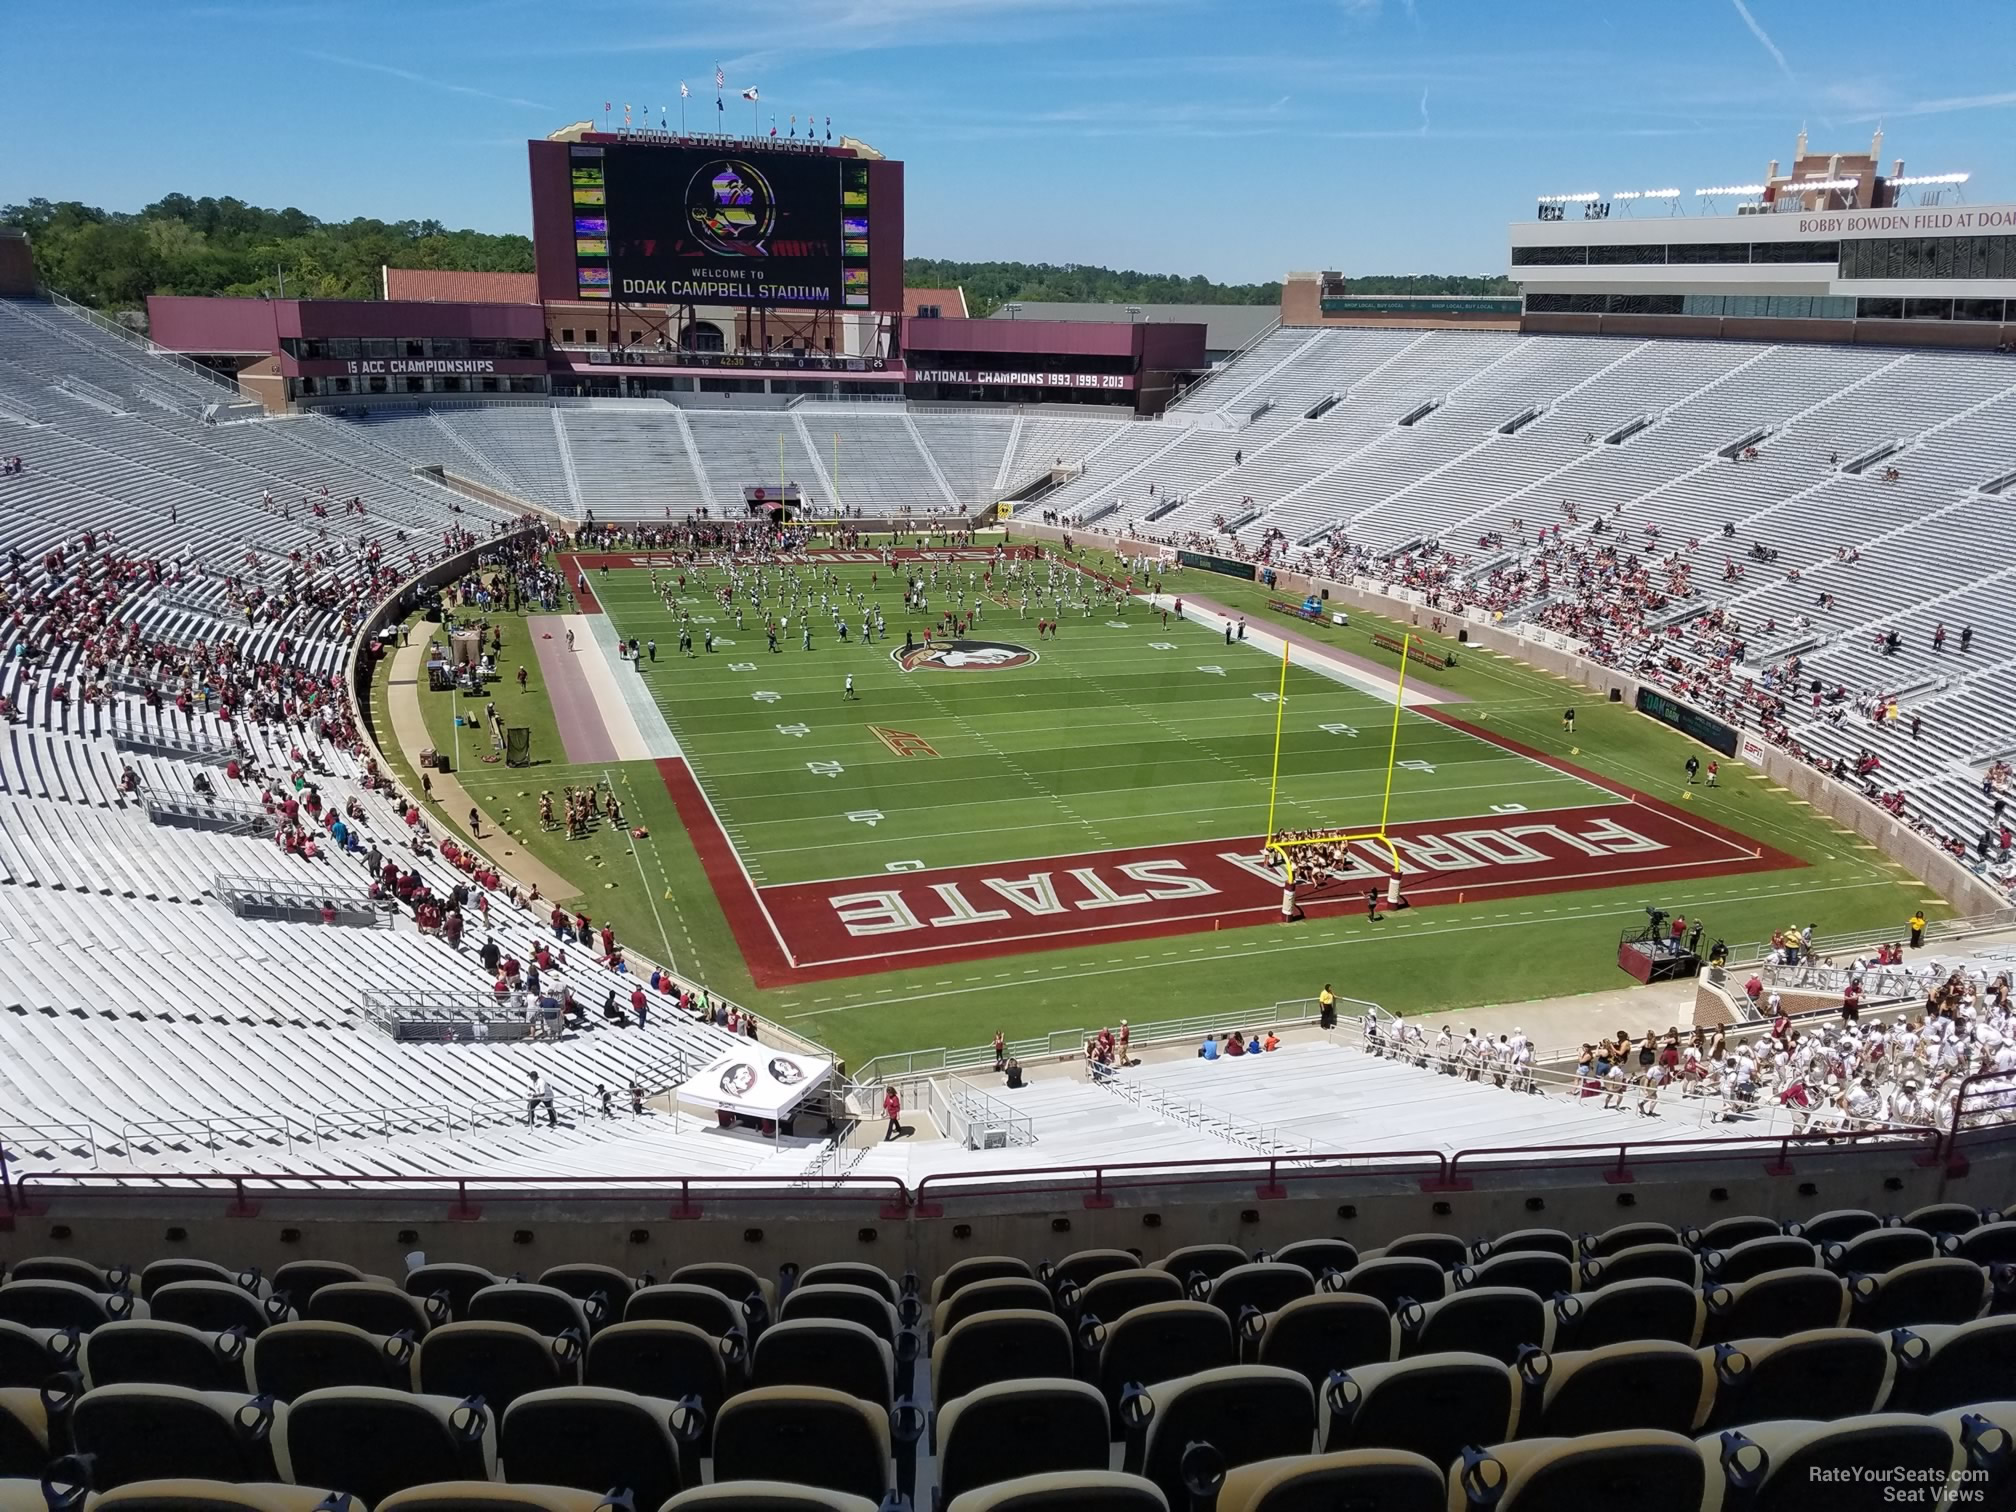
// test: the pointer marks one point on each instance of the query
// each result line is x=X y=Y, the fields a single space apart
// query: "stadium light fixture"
x=1731 y=189
x=1638 y=194
x=1917 y=179
x=1808 y=186
x=1569 y=199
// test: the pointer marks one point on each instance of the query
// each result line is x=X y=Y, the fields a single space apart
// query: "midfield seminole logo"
x=964 y=656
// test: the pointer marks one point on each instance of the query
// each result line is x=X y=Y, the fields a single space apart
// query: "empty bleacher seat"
x=372 y=1442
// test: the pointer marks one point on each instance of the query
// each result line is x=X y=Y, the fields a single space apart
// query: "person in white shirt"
x=539 y=1095
x=1445 y=1057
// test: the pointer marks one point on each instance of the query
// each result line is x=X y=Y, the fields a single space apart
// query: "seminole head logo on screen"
x=731 y=208
x=963 y=656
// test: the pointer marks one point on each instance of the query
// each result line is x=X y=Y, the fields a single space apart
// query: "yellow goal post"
x=1283 y=849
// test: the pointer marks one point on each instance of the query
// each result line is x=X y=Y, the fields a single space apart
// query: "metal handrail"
x=1551 y=1157
x=161 y=1130
x=44 y=1133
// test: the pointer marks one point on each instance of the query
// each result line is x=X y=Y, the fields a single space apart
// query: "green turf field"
x=1108 y=737
x=1126 y=732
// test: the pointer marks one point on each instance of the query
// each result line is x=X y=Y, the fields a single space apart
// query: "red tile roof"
x=452 y=287
x=951 y=302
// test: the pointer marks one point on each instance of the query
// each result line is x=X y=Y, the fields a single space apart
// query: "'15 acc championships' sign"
x=1024 y=380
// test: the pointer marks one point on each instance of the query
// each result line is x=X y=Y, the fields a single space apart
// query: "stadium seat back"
x=217 y=1496
x=160 y=1273
x=1114 y=1295
x=1646 y=1383
x=701 y=1307
x=1165 y=1342
x=1319 y=1255
x=1840 y=1467
x=1062 y=1491
x=498 y=1362
x=1753 y=1257
x=25 y=1444
x=136 y=1433
x=168 y=1354
x=1624 y=1236
x=830 y=1352
x=1398 y=1279
x=65 y=1304
x=1387 y=1479
x=673 y=1360
x=459 y=1282
x=1313 y=1336
x=487 y=1496
x=1541 y=1272
x=1207 y=1260
x=543 y=1309
x=1824 y=1374
x=1664 y=1262
x=371 y=1441
x=999 y=1295
x=1834 y=1227
x=855 y=1304
x=1649 y=1308
x=1542 y=1241
x=1244 y=1412
x=1643 y=1469
x=976 y=1268
x=301 y=1279
x=376 y=1307
x=1083 y=1267
x=29 y=1356
x=1446 y=1250
x=1775 y=1304
x=291 y=1359
x=1432 y=1406
x=1949 y=1290
x=1264 y=1287
x=216 y=1306
x=738 y=1283
x=999 y=1346
x=592 y=1439
x=1021 y=1427
x=853 y=1273
x=1947 y=1365
x=63 y=1268
x=1990 y=1244
x=804 y=1434
x=1498 y=1321
x=1877 y=1251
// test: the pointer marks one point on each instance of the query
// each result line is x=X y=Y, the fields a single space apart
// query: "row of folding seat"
x=1239 y=1438
x=1852 y=1241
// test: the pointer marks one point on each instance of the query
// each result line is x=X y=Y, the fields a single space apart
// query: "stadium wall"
x=1946 y=876
x=1962 y=335
x=1252 y=1202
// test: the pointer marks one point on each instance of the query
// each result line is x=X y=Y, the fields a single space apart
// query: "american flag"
x=684 y=92
x=720 y=78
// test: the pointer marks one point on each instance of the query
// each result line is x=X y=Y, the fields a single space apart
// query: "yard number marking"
x=1339 y=729
x=765 y=695
x=824 y=768
x=869 y=817
x=797 y=731
x=1508 y=808
x=739 y=666
x=1418 y=766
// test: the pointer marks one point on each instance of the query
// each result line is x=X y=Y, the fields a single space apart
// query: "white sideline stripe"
x=601 y=679
x=1321 y=663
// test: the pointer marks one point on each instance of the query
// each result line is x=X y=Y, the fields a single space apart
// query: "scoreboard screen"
x=720 y=225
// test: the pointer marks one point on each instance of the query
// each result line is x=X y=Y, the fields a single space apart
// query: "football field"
x=1009 y=789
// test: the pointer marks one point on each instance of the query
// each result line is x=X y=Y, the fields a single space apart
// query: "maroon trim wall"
x=185 y=323
x=195 y=323
x=1151 y=344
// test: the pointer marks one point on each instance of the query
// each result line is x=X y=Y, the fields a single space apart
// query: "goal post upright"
x=1285 y=848
x=1280 y=712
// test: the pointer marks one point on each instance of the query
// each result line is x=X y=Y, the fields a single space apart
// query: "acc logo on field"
x=964 y=656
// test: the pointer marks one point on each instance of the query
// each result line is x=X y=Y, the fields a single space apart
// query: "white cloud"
x=1425 y=123
x=1943 y=107
x=446 y=86
x=1764 y=37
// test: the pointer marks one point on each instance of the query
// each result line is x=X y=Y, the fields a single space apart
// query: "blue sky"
x=1188 y=136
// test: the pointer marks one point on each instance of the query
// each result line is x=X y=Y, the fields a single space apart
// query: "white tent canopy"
x=758 y=1081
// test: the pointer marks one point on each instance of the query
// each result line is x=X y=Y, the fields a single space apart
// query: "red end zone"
x=859 y=926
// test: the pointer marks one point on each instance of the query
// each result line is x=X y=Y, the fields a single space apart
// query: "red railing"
x=1271 y=1177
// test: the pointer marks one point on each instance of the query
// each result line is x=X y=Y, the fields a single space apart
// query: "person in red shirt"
x=608 y=941
x=640 y=1005
x=892 y=1105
